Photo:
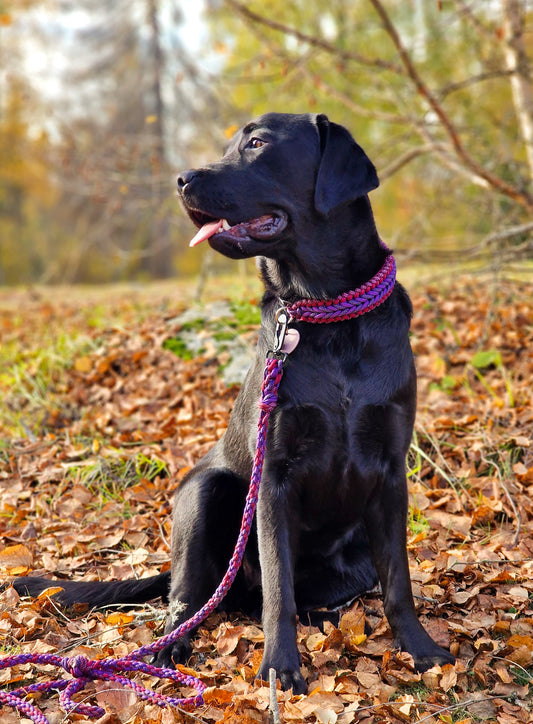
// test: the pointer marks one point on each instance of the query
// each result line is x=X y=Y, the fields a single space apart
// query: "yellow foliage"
x=23 y=168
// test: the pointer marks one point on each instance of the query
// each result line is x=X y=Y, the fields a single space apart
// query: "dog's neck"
x=344 y=254
x=344 y=260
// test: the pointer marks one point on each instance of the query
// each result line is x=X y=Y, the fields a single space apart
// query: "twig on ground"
x=438 y=469
x=518 y=517
x=273 y=716
x=513 y=663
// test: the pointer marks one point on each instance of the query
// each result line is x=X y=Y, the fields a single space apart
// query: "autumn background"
x=121 y=350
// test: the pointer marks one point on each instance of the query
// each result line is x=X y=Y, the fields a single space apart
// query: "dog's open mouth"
x=262 y=228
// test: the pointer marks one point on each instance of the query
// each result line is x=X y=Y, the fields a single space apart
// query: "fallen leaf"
x=352 y=626
x=119 y=619
x=449 y=677
x=83 y=364
x=325 y=716
x=16 y=559
x=516 y=641
x=50 y=591
x=228 y=638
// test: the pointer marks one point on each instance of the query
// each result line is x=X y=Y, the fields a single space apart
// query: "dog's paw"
x=425 y=652
x=438 y=656
x=289 y=678
x=177 y=653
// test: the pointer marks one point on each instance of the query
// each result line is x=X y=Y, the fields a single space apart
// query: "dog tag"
x=292 y=337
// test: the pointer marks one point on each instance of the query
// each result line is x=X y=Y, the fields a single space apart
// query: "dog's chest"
x=314 y=432
x=320 y=446
x=332 y=382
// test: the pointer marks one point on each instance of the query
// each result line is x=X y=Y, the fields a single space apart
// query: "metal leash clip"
x=282 y=322
x=285 y=338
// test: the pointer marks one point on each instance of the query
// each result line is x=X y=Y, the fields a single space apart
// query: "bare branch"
x=274 y=717
x=483 y=250
x=448 y=157
x=349 y=103
x=404 y=159
x=518 y=195
x=312 y=40
x=508 y=233
x=450 y=161
x=466 y=12
x=473 y=80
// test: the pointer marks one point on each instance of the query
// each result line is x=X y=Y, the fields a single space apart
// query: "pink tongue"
x=206 y=232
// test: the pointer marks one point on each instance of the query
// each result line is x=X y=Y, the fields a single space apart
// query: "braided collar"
x=350 y=304
x=319 y=311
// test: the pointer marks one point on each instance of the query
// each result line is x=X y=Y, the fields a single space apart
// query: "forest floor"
x=109 y=396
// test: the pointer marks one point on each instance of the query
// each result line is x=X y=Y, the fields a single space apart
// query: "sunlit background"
x=102 y=103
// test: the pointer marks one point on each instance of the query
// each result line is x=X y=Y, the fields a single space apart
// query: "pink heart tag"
x=292 y=337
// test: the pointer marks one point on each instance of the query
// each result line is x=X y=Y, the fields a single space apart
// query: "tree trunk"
x=517 y=62
x=160 y=261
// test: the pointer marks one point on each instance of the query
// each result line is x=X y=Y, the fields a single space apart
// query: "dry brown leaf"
x=83 y=364
x=217 y=697
x=228 y=638
x=448 y=678
x=516 y=641
x=325 y=716
x=352 y=626
x=16 y=560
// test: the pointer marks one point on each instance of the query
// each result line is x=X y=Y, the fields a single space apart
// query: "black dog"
x=331 y=517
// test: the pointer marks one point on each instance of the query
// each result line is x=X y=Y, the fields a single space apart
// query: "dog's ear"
x=345 y=172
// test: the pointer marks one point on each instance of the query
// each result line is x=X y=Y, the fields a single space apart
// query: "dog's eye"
x=256 y=143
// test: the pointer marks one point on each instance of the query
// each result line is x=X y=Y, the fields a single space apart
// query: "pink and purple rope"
x=83 y=670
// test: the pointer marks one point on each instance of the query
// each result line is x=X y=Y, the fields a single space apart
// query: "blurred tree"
x=117 y=155
x=119 y=95
x=27 y=195
x=438 y=92
x=23 y=187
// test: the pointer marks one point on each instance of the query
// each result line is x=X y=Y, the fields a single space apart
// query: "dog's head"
x=281 y=174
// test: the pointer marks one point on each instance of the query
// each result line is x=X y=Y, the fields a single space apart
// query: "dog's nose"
x=184 y=178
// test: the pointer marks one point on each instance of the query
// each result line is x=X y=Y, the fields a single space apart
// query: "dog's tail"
x=97 y=593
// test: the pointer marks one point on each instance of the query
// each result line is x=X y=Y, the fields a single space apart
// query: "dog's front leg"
x=277 y=531
x=385 y=520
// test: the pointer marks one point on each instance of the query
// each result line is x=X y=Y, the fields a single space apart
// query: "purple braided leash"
x=83 y=670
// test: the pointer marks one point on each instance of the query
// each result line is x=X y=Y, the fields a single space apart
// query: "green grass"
x=522 y=676
x=245 y=314
x=417 y=522
x=179 y=347
x=418 y=690
x=33 y=379
x=109 y=476
x=485 y=359
x=242 y=316
x=479 y=364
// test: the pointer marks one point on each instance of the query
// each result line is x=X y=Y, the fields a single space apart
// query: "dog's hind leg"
x=207 y=513
x=97 y=593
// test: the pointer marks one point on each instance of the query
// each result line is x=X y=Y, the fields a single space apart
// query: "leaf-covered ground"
x=107 y=398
